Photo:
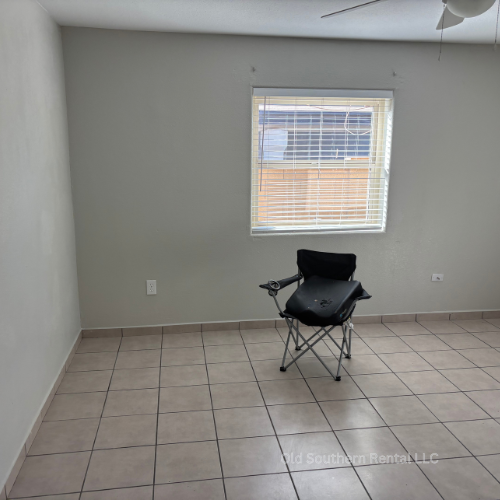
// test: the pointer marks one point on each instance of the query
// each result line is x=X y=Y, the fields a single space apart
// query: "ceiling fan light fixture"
x=469 y=8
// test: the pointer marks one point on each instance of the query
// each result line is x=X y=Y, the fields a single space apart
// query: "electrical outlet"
x=437 y=277
x=150 y=287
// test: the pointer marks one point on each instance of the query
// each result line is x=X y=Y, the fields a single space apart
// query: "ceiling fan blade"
x=356 y=7
x=448 y=20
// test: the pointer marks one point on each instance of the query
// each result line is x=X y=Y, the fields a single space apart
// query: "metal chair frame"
x=347 y=327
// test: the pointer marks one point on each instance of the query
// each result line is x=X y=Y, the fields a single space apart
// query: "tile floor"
x=209 y=415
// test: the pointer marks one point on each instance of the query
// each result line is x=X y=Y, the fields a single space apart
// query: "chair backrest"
x=336 y=266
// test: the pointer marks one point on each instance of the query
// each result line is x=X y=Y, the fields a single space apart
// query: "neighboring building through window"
x=320 y=160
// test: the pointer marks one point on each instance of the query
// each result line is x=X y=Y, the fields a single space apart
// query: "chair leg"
x=338 y=377
x=282 y=367
x=297 y=347
x=348 y=355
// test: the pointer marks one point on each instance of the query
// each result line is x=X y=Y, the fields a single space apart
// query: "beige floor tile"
x=85 y=382
x=172 y=376
x=395 y=482
x=223 y=373
x=358 y=346
x=427 y=382
x=318 y=450
x=259 y=336
x=373 y=330
x=494 y=371
x=381 y=384
x=286 y=392
x=490 y=338
x=138 y=359
x=494 y=321
x=191 y=398
x=407 y=328
x=251 y=456
x=492 y=463
x=74 y=406
x=137 y=402
x=489 y=401
x=120 y=468
x=137 y=331
x=99 y=345
x=328 y=389
x=329 y=484
x=135 y=493
x=186 y=427
x=382 y=345
x=368 y=444
x=406 y=362
x=482 y=357
x=92 y=361
x=312 y=367
x=143 y=342
x=266 y=350
x=137 y=378
x=429 y=439
x=298 y=418
x=178 y=340
x=452 y=407
x=51 y=475
x=192 y=490
x=480 y=437
x=365 y=364
x=65 y=436
x=272 y=487
x=270 y=370
x=351 y=414
x=222 y=338
x=244 y=394
x=403 y=410
x=476 y=325
x=462 y=479
x=320 y=348
x=421 y=343
x=225 y=353
x=243 y=422
x=443 y=360
x=187 y=462
x=471 y=379
x=462 y=341
x=121 y=432
x=73 y=496
x=438 y=327
x=183 y=356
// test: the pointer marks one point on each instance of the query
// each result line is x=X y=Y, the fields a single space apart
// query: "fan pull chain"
x=496 y=31
x=442 y=31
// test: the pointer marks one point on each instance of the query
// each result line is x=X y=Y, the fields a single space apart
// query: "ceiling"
x=402 y=20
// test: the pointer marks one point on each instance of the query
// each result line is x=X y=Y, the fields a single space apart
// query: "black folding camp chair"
x=326 y=299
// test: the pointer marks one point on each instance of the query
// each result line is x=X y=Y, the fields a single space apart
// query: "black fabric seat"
x=323 y=302
x=326 y=299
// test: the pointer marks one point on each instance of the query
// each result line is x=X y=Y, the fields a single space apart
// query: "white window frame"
x=383 y=168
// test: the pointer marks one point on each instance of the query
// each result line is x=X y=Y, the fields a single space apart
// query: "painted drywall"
x=160 y=130
x=39 y=313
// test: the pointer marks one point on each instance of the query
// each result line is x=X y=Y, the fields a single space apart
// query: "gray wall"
x=160 y=154
x=39 y=315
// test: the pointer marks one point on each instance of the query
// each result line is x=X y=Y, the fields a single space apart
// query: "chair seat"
x=323 y=302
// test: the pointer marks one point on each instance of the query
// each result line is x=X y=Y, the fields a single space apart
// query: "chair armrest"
x=274 y=286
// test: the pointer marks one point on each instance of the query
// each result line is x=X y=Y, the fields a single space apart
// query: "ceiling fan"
x=455 y=11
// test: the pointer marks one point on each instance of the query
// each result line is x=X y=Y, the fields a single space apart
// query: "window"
x=320 y=160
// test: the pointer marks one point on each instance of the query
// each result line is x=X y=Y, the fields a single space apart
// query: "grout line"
x=157 y=418
x=98 y=427
x=215 y=422
x=271 y=420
